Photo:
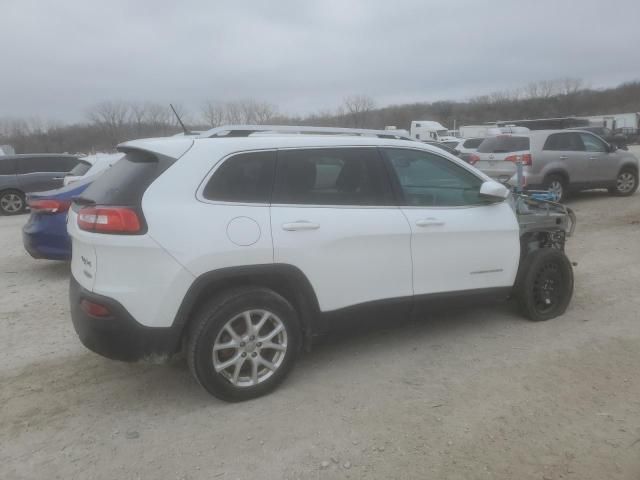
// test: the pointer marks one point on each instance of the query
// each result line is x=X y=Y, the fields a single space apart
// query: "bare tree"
x=358 y=108
x=110 y=116
x=213 y=113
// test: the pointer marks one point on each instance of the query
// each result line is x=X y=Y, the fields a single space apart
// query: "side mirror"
x=494 y=191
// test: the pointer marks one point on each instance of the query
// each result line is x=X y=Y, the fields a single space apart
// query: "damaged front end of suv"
x=543 y=223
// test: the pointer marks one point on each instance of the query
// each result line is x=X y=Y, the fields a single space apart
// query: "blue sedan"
x=45 y=233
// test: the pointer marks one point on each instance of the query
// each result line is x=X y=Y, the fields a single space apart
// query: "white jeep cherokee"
x=240 y=245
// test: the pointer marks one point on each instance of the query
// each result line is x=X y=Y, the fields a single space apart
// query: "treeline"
x=111 y=122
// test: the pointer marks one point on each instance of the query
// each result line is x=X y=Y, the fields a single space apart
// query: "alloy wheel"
x=11 y=203
x=250 y=348
x=625 y=182
x=547 y=288
x=556 y=188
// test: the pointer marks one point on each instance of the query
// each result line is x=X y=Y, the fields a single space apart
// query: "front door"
x=601 y=164
x=459 y=241
x=333 y=216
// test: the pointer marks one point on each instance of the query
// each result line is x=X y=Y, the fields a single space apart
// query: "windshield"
x=504 y=144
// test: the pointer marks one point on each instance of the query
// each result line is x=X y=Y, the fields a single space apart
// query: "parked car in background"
x=205 y=244
x=617 y=139
x=45 y=233
x=21 y=174
x=91 y=165
x=466 y=146
x=443 y=146
x=559 y=161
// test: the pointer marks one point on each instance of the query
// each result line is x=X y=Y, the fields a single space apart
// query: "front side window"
x=593 y=144
x=429 y=180
x=331 y=176
x=243 y=178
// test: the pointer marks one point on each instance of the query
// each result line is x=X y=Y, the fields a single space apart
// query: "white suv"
x=242 y=244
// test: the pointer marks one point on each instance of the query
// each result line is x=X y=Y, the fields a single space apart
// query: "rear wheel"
x=626 y=183
x=557 y=185
x=545 y=284
x=12 y=202
x=243 y=343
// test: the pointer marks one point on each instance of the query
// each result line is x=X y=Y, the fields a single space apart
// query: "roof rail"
x=247 y=130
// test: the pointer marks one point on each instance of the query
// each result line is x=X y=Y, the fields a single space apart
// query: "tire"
x=545 y=284
x=626 y=183
x=244 y=378
x=12 y=202
x=556 y=184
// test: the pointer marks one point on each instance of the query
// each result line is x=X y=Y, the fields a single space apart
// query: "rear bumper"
x=118 y=336
x=46 y=237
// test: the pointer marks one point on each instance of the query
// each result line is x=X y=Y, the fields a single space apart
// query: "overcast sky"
x=59 y=57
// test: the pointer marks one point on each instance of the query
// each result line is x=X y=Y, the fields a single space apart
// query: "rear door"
x=459 y=241
x=7 y=173
x=333 y=216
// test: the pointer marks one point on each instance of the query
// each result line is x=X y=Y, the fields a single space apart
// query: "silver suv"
x=559 y=161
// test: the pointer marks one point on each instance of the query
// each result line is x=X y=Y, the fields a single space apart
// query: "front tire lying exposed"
x=545 y=284
x=243 y=343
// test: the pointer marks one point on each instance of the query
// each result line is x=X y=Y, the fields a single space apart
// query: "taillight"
x=94 y=309
x=525 y=157
x=109 y=220
x=473 y=159
x=49 y=206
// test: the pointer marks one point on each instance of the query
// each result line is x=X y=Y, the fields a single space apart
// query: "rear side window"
x=7 y=167
x=562 y=142
x=333 y=176
x=473 y=143
x=46 y=164
x=504 y=144
x=124 y=184
x=245 y=178
x=80 y=169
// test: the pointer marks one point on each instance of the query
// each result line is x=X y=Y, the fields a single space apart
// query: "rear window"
x=473 y=143
x=504 y=144
x=80 y=169
x=125 y=183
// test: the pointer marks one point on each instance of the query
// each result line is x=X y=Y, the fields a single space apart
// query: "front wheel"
x=545 y=284
x=243 y=343
x=626 y=183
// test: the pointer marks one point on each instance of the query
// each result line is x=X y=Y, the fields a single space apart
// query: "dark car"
x=45 y=233
x=22 y=174
x=617 y=139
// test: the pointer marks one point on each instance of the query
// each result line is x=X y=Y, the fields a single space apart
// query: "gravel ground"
x=463 y=394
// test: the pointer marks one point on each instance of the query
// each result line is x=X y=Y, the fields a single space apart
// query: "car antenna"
x=186 y=130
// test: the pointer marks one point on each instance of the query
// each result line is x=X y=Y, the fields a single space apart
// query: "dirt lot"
x=468 y=394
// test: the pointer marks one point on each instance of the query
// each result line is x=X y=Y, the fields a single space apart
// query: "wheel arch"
x=560 y=172
x=286 y=280
x=628 y=166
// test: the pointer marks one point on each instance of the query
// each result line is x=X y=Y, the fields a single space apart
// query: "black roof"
x=37 y=155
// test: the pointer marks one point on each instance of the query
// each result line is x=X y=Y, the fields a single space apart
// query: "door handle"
x=300 y=225
x=58 y=178
x=429 y=222
x=564 y=157
x=593 y=158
